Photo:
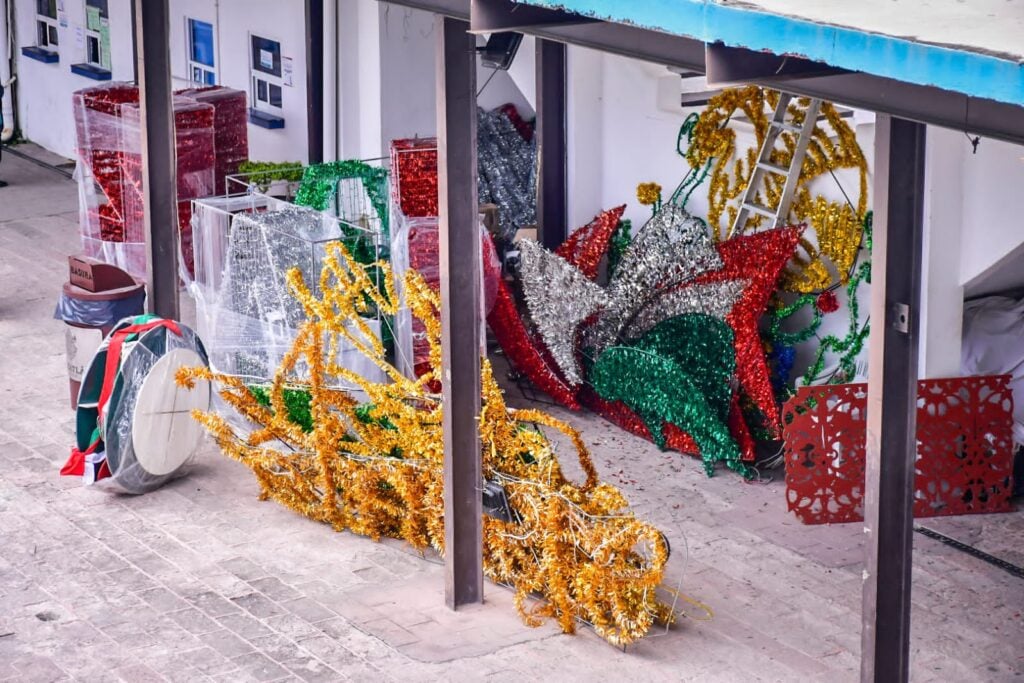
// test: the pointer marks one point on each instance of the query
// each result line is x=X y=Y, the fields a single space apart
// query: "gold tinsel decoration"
x=836 y=225
x=648 y=194
x=375 y=468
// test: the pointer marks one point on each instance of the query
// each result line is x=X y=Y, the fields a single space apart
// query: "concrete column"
x=942 y=295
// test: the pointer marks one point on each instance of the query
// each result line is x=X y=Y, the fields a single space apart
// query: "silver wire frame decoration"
x=244 y=245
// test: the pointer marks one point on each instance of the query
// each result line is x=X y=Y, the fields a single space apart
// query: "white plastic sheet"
x=993 y=344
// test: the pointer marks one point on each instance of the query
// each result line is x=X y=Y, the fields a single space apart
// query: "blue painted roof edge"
x=971 y=73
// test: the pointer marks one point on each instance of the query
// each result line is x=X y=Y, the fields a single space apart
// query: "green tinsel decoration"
x=689 y=384
x=618 y=244
x=852 y=344
x=320 y=184
x=777 y=316
x=296 y=402
x=695 y=177
x=263 y=173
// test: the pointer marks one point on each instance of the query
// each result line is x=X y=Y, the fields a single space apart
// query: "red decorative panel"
x=414 y=175
x=964 y=456
x=824 y=437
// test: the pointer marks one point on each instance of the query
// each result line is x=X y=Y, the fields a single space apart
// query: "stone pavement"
x=201 y=581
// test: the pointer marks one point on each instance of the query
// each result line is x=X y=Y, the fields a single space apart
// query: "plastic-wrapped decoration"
x=414 y=245
x=194 y=142
x=414 y=176
x=246 y=314
x=231 y=128
x=135 y=430
x=109 y=171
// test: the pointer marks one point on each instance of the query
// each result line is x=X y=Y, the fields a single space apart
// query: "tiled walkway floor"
x=202 y=581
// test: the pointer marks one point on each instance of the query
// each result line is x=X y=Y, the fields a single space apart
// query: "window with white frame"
x=97 y=34
x=201 y=49
x=46 y=24
x=266 y=73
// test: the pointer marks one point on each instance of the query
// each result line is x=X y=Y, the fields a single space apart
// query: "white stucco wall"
x=407 y=74
x=234 y=21
x=993 y=208
x=44 y=90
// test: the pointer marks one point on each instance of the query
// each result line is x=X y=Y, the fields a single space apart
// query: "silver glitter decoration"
x=506 y=172
x=256 y=302
x=715 y=299
x=672 y=248
x=559 y=298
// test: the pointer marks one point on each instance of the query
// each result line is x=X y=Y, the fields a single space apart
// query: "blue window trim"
x=40 y=55
x=90 y=71
x=265 y=119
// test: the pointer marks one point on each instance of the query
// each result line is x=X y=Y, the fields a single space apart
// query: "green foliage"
x=264 y=173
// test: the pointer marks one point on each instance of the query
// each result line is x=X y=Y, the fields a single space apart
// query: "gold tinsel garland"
x=836 y=225
x=376 y=468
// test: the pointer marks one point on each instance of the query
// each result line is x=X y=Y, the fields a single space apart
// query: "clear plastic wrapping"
x=146 y=433
x=414 y=244
x=245 y=312
x=129 y=439
x=109 y=169
x=231 y=129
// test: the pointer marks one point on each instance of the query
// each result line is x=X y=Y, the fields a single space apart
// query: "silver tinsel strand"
x=559 y=298
x=506 y=165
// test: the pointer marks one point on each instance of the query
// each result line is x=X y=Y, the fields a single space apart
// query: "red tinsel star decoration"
x=586 y=246
x=759 y=259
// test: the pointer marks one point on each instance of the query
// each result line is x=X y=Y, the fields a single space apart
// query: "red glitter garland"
x=414 y=165
x=586 y=246
x=231 y=128
x=524 y=128
x=211 y=130
x=759 y=259
x=99 y=146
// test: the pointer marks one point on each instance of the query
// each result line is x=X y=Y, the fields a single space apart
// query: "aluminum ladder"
x=778 y=124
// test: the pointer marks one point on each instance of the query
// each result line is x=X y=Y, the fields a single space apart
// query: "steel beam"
x=628 y=41
x=899 y=168
x=456 y=9
x=726 y=65
x=926 y=104
x=461 y=314
x=487 y=16
x=159 y=156
x=552 y=185
x=315 y=80
x=921 y=103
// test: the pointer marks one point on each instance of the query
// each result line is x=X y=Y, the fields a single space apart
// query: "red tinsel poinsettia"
x=827 y=302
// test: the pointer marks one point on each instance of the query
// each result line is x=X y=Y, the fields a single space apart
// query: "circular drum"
x=146 y=427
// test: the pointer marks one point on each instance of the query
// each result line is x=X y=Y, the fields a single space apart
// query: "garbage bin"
x=96 y=296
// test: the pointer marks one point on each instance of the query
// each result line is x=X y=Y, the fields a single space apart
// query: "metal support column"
x=892 y=397
x=552 y=184
x=159 y=156
x=460 y=311
x=315 y=79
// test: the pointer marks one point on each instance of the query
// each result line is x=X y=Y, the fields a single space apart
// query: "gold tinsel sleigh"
x=375 y=467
